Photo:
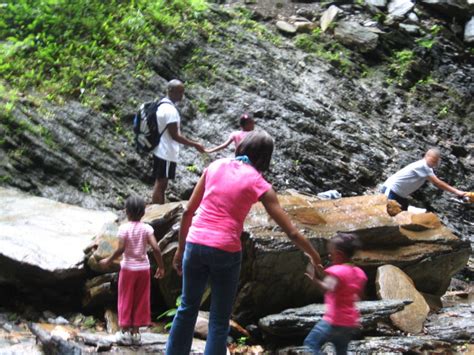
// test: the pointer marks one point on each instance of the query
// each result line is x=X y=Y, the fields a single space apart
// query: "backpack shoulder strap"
x=161 y=102
x=166 y=101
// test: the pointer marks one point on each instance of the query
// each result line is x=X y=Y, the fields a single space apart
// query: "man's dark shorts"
x=393 y=196
x=163 y=169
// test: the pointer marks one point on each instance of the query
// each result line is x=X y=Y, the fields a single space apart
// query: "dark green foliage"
x=324 y=48
x=64 y=46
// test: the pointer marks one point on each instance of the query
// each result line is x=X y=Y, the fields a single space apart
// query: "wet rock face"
x=332 y=130
x=42 y=243
x=106 y=243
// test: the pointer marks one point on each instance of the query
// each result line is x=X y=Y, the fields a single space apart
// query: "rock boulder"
x=392 y=284
x=399 y=8
x=286 y=28
x=356 y=36
x=42 y=243
x=329 y=16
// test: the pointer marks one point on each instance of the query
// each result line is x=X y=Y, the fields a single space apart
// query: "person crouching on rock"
x=247 y=124
x=402 y=184
x=343 y=284
x=134 y=277
x=209 y=244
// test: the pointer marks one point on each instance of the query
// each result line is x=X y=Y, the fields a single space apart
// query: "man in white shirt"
x=399 y=186
x=165 y=155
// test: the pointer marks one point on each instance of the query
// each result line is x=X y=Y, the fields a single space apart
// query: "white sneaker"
x=136 y=339
x=123 y=338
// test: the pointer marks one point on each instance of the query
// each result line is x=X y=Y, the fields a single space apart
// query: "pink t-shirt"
x=238 y=137
x=135 y=236
x=231 y=188
x=340 y=304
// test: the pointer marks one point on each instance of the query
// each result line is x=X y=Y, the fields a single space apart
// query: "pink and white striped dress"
x=135 y=236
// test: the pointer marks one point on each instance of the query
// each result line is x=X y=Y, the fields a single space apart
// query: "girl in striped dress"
x=134 y=277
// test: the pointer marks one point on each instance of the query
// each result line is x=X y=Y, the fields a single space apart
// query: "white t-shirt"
x=409 y=179
x=168 y=149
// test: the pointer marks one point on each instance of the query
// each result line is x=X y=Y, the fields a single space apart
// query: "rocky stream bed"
x=410 y=260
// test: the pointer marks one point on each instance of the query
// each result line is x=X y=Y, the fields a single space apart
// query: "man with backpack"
x=165 y=154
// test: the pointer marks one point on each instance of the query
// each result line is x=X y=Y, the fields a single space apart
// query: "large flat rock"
x=43 y=240
x=272 y=277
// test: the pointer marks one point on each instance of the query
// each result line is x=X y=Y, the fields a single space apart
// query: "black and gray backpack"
x=145 y=127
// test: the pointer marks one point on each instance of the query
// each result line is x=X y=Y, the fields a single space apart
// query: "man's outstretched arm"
x=445 y=186
x=176 y=135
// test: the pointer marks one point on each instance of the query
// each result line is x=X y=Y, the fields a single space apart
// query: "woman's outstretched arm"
x=272 y=205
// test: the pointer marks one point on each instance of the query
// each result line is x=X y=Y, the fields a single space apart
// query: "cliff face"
x=344 y=115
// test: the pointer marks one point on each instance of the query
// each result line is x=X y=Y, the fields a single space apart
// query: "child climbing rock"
x=134 y=277
x=247 y=125
x=343 y=283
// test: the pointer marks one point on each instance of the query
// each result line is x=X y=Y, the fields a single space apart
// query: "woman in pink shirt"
x=209 y=241
x=343 y=285
x=247 y=124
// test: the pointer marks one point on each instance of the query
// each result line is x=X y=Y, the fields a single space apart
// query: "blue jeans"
x=324 y=332
x=200 y=264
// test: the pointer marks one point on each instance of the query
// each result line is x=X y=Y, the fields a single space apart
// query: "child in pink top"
x=209 y=242
x=134 y=277
x=247 y=124
x=343 y=285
